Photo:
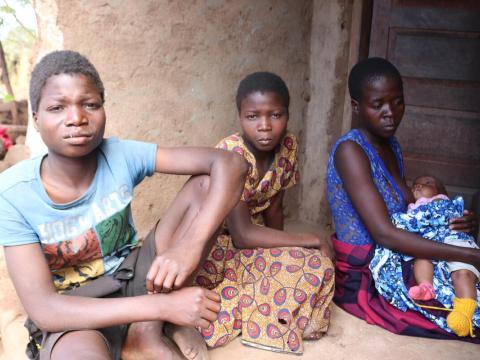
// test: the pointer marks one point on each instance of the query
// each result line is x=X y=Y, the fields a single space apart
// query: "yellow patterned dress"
x=268 y=295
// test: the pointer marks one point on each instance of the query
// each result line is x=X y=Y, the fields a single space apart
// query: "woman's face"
x=381 y=106
x=263 y=119
x=70 y=116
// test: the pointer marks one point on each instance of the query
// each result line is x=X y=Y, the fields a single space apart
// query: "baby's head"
x=427 y=187
x=262 y=102
x=61 y=62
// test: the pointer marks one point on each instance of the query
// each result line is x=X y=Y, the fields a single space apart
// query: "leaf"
x=8 y=98
x=7 y=9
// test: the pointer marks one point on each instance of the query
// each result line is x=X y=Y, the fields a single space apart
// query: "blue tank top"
x=348 y=225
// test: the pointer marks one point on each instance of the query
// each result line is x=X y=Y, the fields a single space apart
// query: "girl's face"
x=425 y=186
x=70 y=116
x=381 y=107
x=263 y=119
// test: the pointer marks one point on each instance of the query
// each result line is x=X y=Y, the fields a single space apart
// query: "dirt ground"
x=352 y=339
x=348 y=338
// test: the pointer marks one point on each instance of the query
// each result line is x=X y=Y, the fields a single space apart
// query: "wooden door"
x=436 y=46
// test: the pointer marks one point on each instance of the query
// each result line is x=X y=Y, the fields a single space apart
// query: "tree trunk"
x=6 y=80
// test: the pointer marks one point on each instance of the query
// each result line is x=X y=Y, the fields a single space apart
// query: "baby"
x=429 y=216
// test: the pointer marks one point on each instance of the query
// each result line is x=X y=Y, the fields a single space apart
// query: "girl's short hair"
x=264 y=82
x=61 y=62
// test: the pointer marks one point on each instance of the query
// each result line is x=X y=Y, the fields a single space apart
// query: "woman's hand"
x=468 y=223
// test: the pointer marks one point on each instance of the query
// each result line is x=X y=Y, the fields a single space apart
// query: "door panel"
x=436 y=47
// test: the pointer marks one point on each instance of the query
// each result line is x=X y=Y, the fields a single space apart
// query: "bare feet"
x=145 y=341
x=189 y=341
x=311 y=334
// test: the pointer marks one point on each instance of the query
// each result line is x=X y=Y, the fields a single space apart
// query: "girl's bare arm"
x=246 y=235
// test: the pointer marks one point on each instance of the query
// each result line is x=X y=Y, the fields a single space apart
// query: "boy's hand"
x=192 y=306
x=172 y=268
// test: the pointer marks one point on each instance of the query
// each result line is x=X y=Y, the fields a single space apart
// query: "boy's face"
x=425 y=186
x=381 y=106
x=263 y=119
x=70 y=116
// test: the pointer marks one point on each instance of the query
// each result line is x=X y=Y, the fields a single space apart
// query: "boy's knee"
x=81 y=344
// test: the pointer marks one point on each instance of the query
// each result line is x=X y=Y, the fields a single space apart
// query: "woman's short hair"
x=367 y=71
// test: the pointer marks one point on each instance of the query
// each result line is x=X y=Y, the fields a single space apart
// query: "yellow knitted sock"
x=460 y=319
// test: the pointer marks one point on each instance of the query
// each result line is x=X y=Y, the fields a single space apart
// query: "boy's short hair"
x=367 y=71
x=61 y=62
x=262 y=81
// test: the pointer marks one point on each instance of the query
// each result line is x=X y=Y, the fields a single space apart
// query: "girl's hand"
x=319 y=242
x=326 y=249
x=468 y=223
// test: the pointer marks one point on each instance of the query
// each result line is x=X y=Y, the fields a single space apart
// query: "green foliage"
x=17 y=40
x=7 y=98
x=7 y=9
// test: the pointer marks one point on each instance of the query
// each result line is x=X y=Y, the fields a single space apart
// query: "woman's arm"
x=53 y=312
x=353 y=168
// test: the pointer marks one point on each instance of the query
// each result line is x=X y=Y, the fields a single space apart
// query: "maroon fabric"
x=355 y=292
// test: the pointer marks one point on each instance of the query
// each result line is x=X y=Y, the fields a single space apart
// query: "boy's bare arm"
x=227 y=172
x=53 y=312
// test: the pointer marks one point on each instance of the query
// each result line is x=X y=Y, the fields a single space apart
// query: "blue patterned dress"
x=375 y=290
x=430 y=221
x=348 y=225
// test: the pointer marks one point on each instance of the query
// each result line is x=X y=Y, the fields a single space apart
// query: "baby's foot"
x=189 y=341
x=424 y=291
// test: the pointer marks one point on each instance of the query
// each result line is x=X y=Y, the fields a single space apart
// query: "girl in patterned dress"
x=275 y=285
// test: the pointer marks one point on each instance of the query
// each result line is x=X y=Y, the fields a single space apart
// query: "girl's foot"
x=189 y=341
x=424 y=291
